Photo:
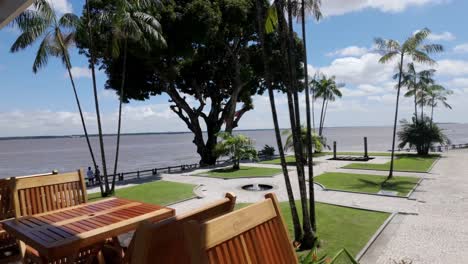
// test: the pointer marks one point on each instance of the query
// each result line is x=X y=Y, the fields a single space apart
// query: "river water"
x=31 y=156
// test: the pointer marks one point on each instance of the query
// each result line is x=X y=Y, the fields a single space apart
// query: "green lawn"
x=366 y=183
x=243 y=172
x=339 y=227
x=291 y=160
x=157 y=192
x=406 y=162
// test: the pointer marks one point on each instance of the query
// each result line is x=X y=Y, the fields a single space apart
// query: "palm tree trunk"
x=122 y=84
x=390 y=174
x=432 y=111
x=321 y=117
x=292 y=202
x=309 y=237
x=309 y=130
x=324 y=115
x=416 y=105
x=77 y=99
x=422 y=110
x=96 y=101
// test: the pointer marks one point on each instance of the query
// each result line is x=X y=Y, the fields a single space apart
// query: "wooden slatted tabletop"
x=62 y=232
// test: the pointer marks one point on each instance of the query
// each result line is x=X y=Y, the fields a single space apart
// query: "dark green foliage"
x=210 y=67
x=267 y=151
x=421 y=134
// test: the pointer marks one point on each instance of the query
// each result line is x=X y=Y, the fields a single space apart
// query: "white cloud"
x=444 y=36
x=80 y=72
x=353 y=51
x=61 y=6
x=340 y=7
x=457 y=83
x=363 y=70
x=462 y=48
x=452 y=67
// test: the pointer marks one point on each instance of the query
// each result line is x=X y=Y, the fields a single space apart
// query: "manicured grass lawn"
x=243 y=172
x=407 y=162
x=291 y=160
x=157 y=192
x=366 y=183
x=339 y=227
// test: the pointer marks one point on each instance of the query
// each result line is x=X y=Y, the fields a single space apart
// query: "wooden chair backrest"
x=6 y=202
x=163 y=241
x=7 y=209
x=39 y=194
x=254 y=234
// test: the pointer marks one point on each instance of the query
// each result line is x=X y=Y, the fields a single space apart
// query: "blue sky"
x=341 y=45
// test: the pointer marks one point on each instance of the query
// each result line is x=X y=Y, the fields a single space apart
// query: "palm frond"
x=432 y=48
x=271 y=21
x=388 y=56
x=69 y=20
x=42 y=55
x=421 y=57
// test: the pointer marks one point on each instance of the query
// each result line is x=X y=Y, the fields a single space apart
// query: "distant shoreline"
x=176 y=132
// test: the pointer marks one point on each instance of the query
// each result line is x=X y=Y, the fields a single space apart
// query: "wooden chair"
x=161 y=242
x=40 y=194
x=9 y=248
x=254 y=234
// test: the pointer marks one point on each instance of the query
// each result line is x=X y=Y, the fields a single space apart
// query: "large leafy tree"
x=56 y=35
x=414 y=48
x=209 y=69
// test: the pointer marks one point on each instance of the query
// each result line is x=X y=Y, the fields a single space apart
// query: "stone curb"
x=197 y=195
x=419 y=172
x=414 y=188
x=375 y=236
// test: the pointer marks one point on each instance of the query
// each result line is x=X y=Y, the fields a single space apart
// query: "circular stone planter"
x=257 y=187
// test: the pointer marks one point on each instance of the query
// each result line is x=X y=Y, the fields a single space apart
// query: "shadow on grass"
x=227 y=170
x=401 y=186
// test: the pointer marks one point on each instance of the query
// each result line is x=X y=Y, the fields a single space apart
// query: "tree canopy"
x=210 y=67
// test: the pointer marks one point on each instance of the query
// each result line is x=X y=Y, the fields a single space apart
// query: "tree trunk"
x=119 y=125
x=390 y=174
x=416 y=105
x=292 y=202
x=308 y=240
x=324 y=115
x=96 y=101
x=321 y=117
x=432 y=111
x=309 y=129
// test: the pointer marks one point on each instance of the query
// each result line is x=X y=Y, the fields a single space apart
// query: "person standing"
x=90 y=176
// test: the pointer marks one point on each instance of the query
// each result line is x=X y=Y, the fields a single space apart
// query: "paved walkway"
x=439 y=233
x=431 y=227
x=212 y=189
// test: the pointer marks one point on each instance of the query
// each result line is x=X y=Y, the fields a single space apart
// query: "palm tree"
x=327 y=89
x=58 y=34
x=239 y=147
x=312 y=6
x=128 y=22
x=415 y=48
x=415 y=82
x=92 y=64
x=261 y=20
x=289 y=143
x=438 y=94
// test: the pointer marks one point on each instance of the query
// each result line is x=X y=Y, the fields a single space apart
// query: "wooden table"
x=64 y=232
